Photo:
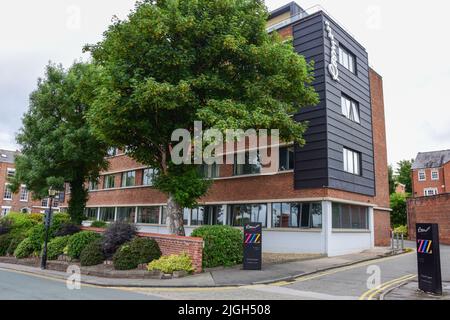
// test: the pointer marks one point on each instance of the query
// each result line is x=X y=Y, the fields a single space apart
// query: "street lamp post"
x=48 y=220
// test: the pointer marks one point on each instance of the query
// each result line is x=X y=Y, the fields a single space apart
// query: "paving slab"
x=410 y=291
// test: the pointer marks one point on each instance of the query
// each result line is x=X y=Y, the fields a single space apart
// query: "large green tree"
x=57 y=145
x=404 y=174
x=173 y=62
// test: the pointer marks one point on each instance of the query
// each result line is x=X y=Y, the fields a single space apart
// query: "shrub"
x=24 y=249
x=67 y=229
x=79 y=241
x=92 y=255
x=124 y=258
x=20 y=223
x=56 y=247
x=135 y=252
x=402 y=230
x=169 y=264
x=398 y=206
x=223 y=245
x=58 y=219
x=5 y=241
x=115 y=235
x=5 y=226
x=99 y=224
x=15 y=241
x=37 y=217
x=37 y=237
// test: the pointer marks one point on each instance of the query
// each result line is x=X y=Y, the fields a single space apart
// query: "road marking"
x=368 y=295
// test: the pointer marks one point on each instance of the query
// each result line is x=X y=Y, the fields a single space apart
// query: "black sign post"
x=428 y=258
x=252 y=246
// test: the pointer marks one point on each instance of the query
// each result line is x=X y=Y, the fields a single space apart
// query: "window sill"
x=350 y=231
x=293 y=230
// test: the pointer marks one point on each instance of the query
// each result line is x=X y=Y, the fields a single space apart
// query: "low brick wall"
x=434 y=209
x=171 y=244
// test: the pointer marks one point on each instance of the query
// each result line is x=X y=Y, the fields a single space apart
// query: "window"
x=128 y=179
x=352 y=161
x=7 y=195
x=148 y=215
x=164 y=215
x=186 y=214
x=347 y=59
x=148 y=176
x=10 y=172
x=112 y=152
x=5 y=211
x=435 y=174
x=23 y=194
x=209 y=171
x=430 y=192
x=251 y=165
x=297 y=215
x=214 y=215
x=126 y=214
x=55 y=203
x=347 y=216
x=286 y=158
x=422 y=175
x=350 y=109
x=246 y=213
x=44 y=202
x=91 y=213
x=93 y=185
x=107 y=214
x=109 y=181
x=198 y=216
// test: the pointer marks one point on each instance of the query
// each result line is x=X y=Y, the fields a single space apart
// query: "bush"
x=115 y=235
x=5 y=226
x=15 y=241
x=169 y=264
x=58 y=219
x=56 y=247
x=92 y=255
x=20 y=223
x=79 y=241
x=402 y=230
x=136 y=252
x=99 y=224
x=37 y=217
x=24 y=249
x=37 y=237
x=67 y=229
x=5 y=241
x=223 y=245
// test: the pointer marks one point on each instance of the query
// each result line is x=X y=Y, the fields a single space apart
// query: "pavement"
x=222 y=277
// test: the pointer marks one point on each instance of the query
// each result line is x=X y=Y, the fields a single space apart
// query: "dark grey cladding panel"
x=320 y=162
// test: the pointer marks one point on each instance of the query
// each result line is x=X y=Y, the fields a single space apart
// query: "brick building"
x=431 y=193
x=431 y=173
x=329 y=197
x=21 y=202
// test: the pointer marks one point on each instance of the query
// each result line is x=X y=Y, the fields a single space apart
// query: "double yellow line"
x=370 y=294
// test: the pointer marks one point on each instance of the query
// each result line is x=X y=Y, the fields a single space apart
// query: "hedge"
x=136 y=252
x=79 y=241
x=24 y=249
x=223 y=245
x=169 y=264
x=92 y=255
x=56 y=247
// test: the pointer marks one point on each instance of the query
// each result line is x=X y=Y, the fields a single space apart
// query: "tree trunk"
x=77 y=202
x=175 y=221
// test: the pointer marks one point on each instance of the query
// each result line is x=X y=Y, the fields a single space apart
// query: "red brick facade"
x=442 y=184
x=171 y=244
x=434 y=209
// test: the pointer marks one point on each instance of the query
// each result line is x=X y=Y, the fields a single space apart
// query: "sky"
x=407 y=41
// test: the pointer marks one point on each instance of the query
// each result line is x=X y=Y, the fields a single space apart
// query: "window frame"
x=7 y=194
x=22 y=193
x=434 y=190
x=350 y=60
x=436 y=171
x=424 y=175
x=151 y=178
x=247 y=164
x=350 y=217
x=352 y=112
x=124 y=182
x=346 y=162
x=106 y=179
x=288 y=159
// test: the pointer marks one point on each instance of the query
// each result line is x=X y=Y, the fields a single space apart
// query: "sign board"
x=252 y=246
x=428 y=258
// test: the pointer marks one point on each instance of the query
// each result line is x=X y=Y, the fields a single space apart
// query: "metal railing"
x=397 y=242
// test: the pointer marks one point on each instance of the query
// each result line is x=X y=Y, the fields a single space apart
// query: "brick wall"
x=419 y=186
x=435 y=209
x=382 y=221
x=171 y=244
